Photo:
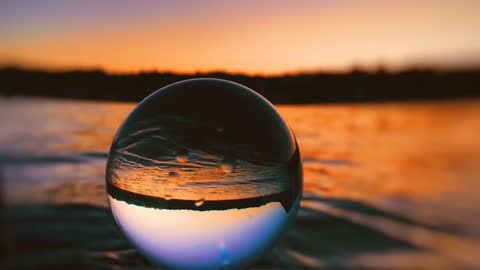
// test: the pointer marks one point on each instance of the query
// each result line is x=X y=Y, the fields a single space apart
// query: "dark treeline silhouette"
x=356 y=86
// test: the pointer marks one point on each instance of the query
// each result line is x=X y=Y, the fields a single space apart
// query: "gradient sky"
x=239 y=36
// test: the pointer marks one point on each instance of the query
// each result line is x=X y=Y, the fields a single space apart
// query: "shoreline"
x=197 y=205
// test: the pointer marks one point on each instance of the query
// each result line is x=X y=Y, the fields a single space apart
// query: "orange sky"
x=243 y=36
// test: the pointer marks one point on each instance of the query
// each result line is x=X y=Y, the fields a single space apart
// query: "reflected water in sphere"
x=204 y=174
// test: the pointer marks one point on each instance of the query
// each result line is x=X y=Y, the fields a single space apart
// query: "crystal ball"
x=204 y=174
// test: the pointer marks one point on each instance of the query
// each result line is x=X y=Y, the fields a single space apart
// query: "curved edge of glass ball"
x=192 y=120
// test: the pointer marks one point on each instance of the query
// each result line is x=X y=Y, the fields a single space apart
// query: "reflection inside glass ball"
x=204 y=174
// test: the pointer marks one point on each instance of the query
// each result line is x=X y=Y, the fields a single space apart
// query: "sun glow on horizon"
x=241 y=37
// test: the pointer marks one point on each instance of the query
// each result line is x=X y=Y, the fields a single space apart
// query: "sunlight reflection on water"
x=390 y=185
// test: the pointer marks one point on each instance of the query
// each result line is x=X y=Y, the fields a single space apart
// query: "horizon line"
x=380 y=68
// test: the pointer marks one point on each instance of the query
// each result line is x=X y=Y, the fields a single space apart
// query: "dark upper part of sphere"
x=217 y=116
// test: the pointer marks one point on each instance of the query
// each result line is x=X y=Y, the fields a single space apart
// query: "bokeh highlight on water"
x=392 y=186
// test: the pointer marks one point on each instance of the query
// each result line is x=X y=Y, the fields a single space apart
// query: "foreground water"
x=391 y=186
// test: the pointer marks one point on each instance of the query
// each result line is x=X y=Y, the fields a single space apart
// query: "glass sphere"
x=204 y=174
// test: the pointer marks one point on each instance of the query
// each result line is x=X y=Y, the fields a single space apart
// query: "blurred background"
x=383 y=97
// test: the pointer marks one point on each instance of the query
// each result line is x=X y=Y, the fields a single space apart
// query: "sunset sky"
x=239 y=36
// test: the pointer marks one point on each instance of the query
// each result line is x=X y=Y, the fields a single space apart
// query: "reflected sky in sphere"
x=204 y=174
x=188 y=239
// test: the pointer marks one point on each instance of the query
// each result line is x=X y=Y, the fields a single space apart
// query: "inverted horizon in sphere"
x=204 y=174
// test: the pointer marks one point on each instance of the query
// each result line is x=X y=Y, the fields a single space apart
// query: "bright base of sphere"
x=186 y=239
